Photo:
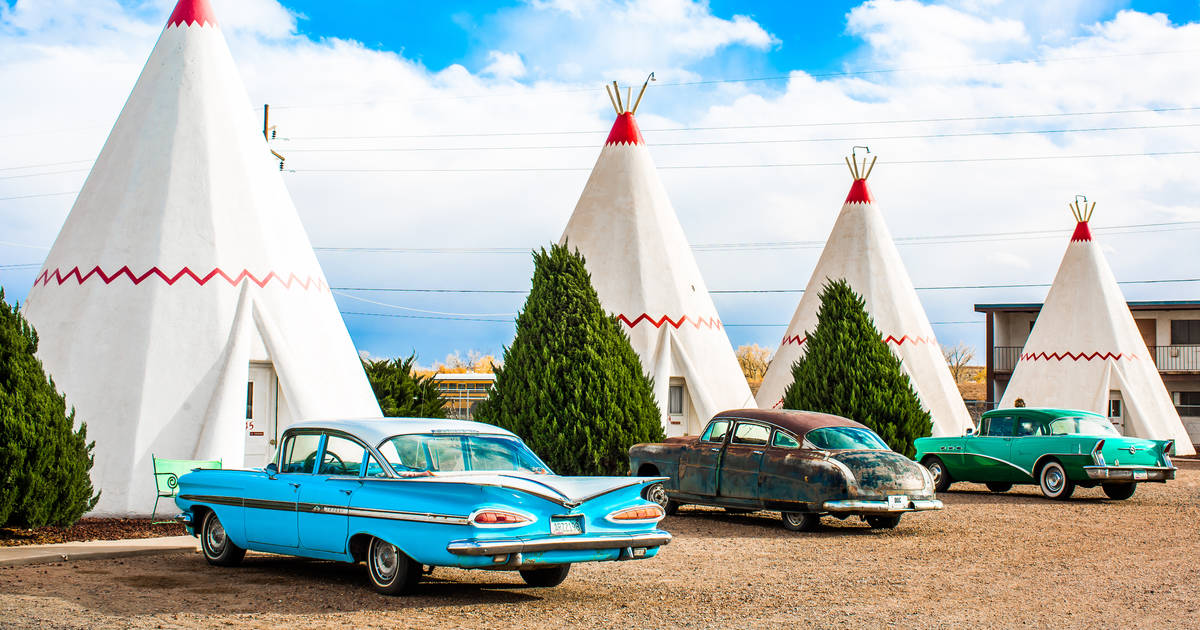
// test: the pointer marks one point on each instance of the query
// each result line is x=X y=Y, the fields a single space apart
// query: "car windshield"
x=846 y=438
x=454 y=453
x=1082 y=425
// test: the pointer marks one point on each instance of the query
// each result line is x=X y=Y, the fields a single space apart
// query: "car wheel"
x=801 y=521
x=1054 y=481
x=883 y=522
x=658 y=493
x=218 y=549
x=941 y=477
x=1119 y=491
x=391 y=571
x=542 y=578
x=996 y=486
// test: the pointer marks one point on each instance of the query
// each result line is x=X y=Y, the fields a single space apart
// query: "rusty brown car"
x=804 y=464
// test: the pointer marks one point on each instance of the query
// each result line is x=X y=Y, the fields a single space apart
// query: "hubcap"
x=793 y=518
x=385 y=560
x=936 y=471
x=1054 y=479
x=215 y=536
x=658 y=494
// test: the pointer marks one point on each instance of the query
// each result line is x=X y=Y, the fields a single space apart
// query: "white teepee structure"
x=860 y=250
x=645 y=274
x=1085 y=345
x=181 y=309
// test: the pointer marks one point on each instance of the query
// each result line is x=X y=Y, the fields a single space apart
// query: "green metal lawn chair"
x=166 y=478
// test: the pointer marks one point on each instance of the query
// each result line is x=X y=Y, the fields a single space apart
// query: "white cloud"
x=504 y=65
x=568 y=40
x=62 y=77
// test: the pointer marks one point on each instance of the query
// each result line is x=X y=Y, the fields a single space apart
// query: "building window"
x=1114 y=409
x=1185 y=332
x=675 y=400
x=250 y=400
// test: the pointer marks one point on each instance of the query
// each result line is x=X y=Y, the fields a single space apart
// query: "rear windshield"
x=453 y=453
x=1082 y=425
x=845 y=439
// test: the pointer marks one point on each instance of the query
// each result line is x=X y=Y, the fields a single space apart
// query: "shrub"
x=44 y=461
x=401 y=392
x=848 y=370
x=571 y=385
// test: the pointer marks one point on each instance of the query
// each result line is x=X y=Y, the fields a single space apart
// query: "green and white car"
x=1057 y=449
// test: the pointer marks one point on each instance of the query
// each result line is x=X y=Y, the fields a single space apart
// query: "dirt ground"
x=987 y=560
x=91 y=529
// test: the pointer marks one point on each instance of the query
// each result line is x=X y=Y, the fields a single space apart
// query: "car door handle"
x=715 y=450
x=348 y=492
x=293 y=484
x=757 y=452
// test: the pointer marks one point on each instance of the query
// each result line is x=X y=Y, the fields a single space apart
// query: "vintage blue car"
x=406 y=494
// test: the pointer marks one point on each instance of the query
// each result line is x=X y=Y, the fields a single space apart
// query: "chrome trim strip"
x=855 y=505
x=1122 y=473
x=997 y=459
x=338 y=510
x=503 y=546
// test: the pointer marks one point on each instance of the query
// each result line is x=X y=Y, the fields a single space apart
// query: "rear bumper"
x=855 y=506
x=505 y=546
x=1130 y=473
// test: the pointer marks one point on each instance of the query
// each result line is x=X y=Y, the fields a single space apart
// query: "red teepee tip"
x=1082 y=232
x=859 y=193
x=189 y=12
x=625 y=130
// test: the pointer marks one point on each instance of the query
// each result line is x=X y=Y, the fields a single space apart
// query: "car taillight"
x=1167 y=452
x=1097 y=455
x=644 y=513
x=499 y=518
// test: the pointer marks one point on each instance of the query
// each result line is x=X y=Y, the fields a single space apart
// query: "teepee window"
x=675 y=397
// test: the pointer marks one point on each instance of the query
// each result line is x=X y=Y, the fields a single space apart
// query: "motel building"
x=1171 y=330
x=462 y=392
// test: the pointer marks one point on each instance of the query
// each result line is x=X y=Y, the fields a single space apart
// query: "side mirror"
x=969 y=431
x=272 y=470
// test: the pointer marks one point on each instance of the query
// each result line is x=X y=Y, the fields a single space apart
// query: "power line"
x=766 y=126
x=968 y=134
x=14 y=168
x=565 y=169
x=510 y=322
x=952 y=287
x=67 y=192
x=771 y=245
x=25 y=175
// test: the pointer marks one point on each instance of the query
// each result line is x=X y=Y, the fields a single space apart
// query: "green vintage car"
x=1057 y=449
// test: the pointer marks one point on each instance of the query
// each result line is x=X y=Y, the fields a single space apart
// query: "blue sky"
x=354 y=68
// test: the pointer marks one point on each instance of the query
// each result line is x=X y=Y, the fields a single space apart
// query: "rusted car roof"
x=798 y=422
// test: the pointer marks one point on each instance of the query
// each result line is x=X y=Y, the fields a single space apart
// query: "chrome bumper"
x=184 y=518
x=880 y=507
x=504 y=546
x=1126 y=473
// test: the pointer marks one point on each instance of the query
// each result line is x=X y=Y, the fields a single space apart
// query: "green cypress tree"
x=402 y=393
x=848 y=370
x=571 y=385
x=44 y=461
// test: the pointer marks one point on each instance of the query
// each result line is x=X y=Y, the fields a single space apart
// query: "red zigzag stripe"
x=710 y=322
x=96 y=272
x=799 y=341
x=1055 y=356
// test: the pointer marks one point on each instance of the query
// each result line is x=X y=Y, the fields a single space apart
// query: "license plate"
x=1139 y=475
x=566 y=526
x=898 y=501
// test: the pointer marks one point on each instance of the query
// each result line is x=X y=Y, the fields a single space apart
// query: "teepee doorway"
x=1116 y=411
x=262 y=413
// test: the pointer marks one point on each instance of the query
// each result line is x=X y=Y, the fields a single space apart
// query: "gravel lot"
x=1010 y=560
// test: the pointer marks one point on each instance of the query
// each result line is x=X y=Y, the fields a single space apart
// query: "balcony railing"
x=1177 y=358
x=1166 y=358
x=1004 y=358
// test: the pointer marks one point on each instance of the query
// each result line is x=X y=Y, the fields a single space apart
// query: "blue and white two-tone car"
x=406 y=494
